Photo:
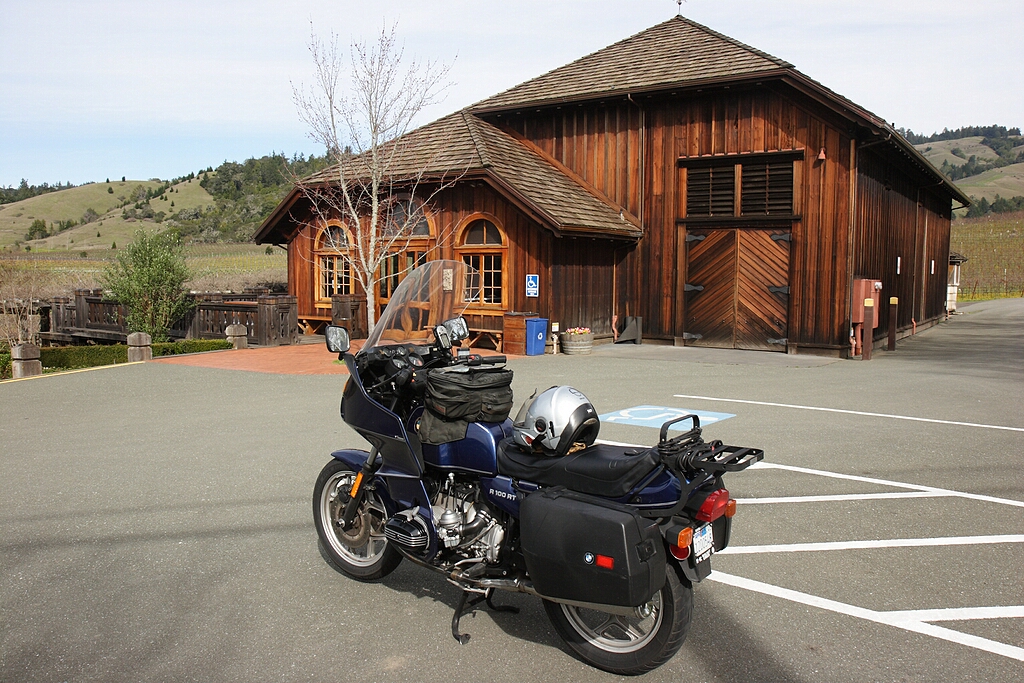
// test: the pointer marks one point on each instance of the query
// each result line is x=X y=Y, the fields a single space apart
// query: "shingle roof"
x=675 y=52
x=461 y=143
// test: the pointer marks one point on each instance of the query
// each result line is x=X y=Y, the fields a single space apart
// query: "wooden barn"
x=679 y=176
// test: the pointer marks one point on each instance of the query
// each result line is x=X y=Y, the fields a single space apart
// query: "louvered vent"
x=710 y=191
x=767 y=188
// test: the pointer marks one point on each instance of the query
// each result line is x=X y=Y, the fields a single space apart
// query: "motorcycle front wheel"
x=361 y=551
x=628 y=645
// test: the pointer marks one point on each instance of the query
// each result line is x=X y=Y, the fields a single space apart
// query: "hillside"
x=107 y=202
x=942 y=151
x=222 y=205
x=980 y=153
x=1007 y=181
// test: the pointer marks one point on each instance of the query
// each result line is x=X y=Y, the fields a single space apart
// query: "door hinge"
x=693 y=288
x=785 y=237
x=695 y=238
x=690 y=336
x=779 y=290
x=778 y=341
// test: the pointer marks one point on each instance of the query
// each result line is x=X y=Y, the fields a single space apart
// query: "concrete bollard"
x=139 y=348
x=25 y=361
x=238 y=335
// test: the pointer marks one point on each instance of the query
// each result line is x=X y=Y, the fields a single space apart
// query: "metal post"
x=894 y=306
x=869 y=327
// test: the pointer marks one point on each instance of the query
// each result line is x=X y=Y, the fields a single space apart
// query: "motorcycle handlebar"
x=476 y=360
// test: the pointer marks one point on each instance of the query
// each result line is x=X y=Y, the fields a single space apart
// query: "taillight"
x=715 y=505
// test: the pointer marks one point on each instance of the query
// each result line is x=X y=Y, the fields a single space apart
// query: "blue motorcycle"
x=611 y=538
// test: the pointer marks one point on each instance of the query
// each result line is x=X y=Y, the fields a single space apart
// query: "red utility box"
x=865 y=289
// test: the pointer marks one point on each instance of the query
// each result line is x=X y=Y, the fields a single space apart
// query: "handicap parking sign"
x=655 y=416
x=533 y=285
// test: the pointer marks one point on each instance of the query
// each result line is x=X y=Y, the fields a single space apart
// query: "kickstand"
x=465 y=602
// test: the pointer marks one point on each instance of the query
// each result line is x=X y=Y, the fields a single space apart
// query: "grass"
x=16 y=218
x=1007 y=181
x=939 y=151
x=216 y=267
x=994 y=247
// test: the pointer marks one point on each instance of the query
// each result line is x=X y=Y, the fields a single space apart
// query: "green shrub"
x=73 y=357
x=5 y=365
x=189 y=346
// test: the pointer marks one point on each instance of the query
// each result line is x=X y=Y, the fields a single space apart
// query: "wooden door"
x=737 y=288
x=710 y=288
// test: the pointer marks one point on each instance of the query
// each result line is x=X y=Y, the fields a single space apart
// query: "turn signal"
x=730 y=509
x=681 y=548
x=355 y=485
x=714 y=506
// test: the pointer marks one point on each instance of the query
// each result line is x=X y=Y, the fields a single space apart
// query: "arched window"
x=482 y=246
x=407 y=227
x=406 y=216
x=334 y=272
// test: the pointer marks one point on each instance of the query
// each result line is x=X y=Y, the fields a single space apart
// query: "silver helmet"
x=555 y=420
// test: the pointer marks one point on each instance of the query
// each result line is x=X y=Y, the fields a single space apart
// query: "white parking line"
x=909 y=620
x=838 y=497
x=867 y=545
x=851 y=412
x=900 y=619
x=886 y=482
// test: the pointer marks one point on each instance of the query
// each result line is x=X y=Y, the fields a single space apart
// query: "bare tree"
x=372 y=168
x=21 y=288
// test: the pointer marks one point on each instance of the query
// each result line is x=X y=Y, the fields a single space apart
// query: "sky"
x=97 y=89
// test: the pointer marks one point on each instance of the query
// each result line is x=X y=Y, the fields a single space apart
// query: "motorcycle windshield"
x=429 y=295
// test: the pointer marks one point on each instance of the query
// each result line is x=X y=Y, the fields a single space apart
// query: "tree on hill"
x=37 y=230
x=9 y=195
x=244 y=195
x=965 y=132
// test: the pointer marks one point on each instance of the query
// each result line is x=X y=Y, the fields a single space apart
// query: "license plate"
x=703 y=543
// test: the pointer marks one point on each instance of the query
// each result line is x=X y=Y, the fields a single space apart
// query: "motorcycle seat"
x=601 y=470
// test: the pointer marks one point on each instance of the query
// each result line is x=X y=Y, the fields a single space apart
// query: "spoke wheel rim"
x=616 y=633
x=364 y=543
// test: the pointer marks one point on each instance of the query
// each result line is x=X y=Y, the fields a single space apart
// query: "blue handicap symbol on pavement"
x=655 y=416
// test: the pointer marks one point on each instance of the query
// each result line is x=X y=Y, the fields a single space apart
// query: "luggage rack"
x=688 y=452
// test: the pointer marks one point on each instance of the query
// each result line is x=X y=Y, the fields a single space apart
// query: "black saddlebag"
x=588 y=549
x=453 y=399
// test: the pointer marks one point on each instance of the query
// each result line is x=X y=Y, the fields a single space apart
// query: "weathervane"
x=679 y=12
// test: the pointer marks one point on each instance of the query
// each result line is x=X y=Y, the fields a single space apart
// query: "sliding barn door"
x=737 y=288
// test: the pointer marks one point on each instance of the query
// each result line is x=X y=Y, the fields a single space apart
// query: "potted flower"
x=577 y=340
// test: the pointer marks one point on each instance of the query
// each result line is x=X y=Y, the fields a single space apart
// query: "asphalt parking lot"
x=155 y=523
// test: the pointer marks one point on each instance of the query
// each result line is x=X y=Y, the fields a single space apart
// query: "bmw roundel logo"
x=588 y=558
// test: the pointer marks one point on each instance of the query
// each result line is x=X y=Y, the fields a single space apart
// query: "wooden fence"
x=271 y=320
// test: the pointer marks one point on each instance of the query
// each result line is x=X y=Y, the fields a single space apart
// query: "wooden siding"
x=576 y=275
x=602 y=143
x=898 y=218
x=854 y=212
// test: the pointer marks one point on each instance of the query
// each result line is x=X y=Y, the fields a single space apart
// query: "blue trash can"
x=536 y=335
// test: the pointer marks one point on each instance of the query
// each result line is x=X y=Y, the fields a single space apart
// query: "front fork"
x=356 y=493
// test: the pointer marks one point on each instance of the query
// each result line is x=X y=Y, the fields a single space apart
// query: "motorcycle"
x=611 y=538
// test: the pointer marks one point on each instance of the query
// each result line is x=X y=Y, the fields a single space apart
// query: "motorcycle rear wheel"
x=361 y=551
x=631 y=645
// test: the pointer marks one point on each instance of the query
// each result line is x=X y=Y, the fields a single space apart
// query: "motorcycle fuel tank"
x=476 y=453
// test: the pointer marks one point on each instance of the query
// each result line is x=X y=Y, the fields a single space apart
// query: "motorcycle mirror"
x=337 y=339
x=441 y=334
x=457 y=329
